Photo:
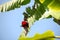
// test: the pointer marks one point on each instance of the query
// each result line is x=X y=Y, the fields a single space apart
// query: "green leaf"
x=41 y=8
x=37 y=1
x=11 y=5
x=47 y=2
x=29 y=11
x=50 y=16
x=39 y=11
x=55 y=5
x=25 y=2
x=35 y=13
x=54 y=8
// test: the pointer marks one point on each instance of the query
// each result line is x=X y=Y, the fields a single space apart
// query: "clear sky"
x=10 y=24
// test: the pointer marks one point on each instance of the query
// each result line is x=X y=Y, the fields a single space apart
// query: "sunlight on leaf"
x=48 y=35
x=55 y=5
x=52 y=4
x=54 y=8
x=41 y=1
x=55 y=14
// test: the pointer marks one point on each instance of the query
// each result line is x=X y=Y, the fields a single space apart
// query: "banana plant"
x=40 y=10
x=44 y=9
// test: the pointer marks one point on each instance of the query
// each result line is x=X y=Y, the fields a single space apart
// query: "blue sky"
x=10 y=24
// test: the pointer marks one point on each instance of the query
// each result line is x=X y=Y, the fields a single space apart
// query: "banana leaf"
x=48 y=35
x=11 y=5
